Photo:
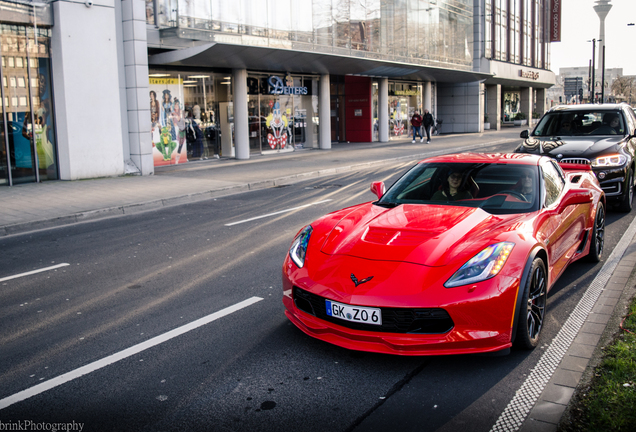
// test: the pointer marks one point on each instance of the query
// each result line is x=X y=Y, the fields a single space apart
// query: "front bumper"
x=613 y=182
x=481 y=315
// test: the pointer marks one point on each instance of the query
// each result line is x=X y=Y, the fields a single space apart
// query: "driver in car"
x=452 y=189
x=526 y=185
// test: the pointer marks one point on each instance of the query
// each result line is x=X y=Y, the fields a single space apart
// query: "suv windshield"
x=495 y=188
x=581 y=122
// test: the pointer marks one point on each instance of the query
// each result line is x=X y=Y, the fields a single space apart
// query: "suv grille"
x=394 y=320
x=579 y=161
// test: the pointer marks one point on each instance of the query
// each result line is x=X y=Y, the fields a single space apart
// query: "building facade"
x=164 y=82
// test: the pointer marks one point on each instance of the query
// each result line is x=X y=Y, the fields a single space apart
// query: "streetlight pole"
x=603 y=78
x=593 y=91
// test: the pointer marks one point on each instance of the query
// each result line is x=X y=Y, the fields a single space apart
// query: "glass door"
x=375 y=123
x=399 y=116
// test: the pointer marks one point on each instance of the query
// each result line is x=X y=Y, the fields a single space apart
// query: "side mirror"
x=378 y=189
x=524 y=134
x=574 y=197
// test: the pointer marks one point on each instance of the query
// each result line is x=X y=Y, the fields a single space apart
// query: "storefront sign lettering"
x=555 y=24
x=165 y=81
x=407 y=92
x=529 y=74
x=278 y=87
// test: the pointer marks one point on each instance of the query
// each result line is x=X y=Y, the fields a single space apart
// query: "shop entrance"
x=400 y=125
x=338 y=119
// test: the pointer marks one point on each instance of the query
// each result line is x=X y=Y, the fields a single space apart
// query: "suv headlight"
x=485 y=265
x=614 y=160
x=298 y=249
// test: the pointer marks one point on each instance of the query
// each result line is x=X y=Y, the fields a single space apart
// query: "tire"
x=598 y=235
x=535 y=297
x=627 y=201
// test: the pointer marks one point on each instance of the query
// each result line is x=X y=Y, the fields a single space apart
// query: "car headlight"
x=609 y=161
x=485 y=265
x=298 y=249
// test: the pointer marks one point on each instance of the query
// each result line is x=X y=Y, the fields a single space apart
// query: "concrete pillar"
x=241 y=123
x=137 y=143
x=428 y=104
x=541 y=107
x=482 y=107
x=383 y=110
x=90 y=139
x=494 y=106
x=324 y=113
x=527 y=102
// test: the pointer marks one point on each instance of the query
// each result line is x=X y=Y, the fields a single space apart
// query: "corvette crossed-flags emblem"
x=358 y=282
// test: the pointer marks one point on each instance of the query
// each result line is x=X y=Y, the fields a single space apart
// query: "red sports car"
x=456 y=257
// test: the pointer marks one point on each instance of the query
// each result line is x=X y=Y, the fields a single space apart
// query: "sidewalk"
x=537 y=407
x=31 y=206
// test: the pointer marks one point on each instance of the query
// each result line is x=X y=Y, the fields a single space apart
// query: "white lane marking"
x=34 y=272
x=92 y=367
x=278 y=212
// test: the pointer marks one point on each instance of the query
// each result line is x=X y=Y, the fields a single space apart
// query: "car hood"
x=430 y=235
x=575 y=146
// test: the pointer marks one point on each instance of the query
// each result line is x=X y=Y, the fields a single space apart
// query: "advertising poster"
x=168 y=121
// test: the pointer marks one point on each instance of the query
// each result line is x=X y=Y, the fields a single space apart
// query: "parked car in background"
x=457 y=257
x=601 y=135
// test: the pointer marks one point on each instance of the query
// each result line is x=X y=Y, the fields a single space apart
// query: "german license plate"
x=351 y=313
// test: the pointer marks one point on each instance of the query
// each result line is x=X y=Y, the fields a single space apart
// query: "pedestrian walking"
x=428 y=122
x=416 y=125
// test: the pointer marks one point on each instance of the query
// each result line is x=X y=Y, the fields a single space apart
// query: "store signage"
x=407 y=93
x=278 y=87
x=529 y=74
x=165 y=81
x=555 y=21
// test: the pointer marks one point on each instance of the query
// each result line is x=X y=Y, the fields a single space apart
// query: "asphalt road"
x=134 y=279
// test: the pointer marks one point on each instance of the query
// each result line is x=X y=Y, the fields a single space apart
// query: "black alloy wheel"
x=598 y=235
x=531 y=317
x=628 y=199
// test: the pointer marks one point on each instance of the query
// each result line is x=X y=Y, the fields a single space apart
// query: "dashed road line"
x=92 y=367
x=34 y=272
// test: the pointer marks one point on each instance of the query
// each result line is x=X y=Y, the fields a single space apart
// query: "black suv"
x=600 y=135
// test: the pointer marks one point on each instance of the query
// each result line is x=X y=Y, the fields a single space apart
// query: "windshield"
x=581 y=122
x=495 y=188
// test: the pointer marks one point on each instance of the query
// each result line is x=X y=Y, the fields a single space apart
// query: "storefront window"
x=28 y=136
x=283 y=113
x=404 y=99
x=510 y=105
x=184 y=111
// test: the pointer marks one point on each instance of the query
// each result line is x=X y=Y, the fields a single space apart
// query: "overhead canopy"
x=223 y=55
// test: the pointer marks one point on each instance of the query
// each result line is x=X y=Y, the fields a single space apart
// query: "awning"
x=268 y=59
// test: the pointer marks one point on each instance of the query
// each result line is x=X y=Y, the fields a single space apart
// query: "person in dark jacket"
x=416 y=124
x=428 y=122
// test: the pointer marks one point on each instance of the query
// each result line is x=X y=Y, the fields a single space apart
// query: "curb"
x=127 y=209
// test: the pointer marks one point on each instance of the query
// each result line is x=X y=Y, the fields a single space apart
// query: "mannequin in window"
x=197 y=146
